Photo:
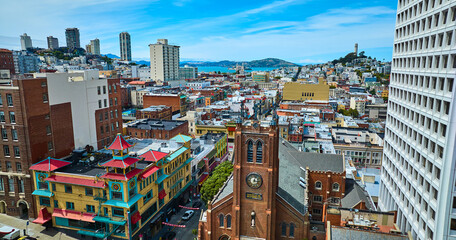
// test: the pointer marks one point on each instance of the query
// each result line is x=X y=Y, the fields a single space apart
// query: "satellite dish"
x=92 y=158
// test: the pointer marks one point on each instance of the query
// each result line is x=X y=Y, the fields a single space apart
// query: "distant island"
x=267 y=62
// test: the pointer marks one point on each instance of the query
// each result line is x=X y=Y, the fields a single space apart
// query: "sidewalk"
x=34 y=230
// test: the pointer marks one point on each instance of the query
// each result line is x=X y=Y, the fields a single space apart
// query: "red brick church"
x=255 y=203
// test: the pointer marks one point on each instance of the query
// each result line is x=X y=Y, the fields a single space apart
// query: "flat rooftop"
x=143 y=145
x=149 y=124
x=154 y=108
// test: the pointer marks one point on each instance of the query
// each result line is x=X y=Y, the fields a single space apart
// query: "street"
x=192 y=223
x=34 y=230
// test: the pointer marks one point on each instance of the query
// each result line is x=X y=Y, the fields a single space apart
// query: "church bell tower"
x=256 y=176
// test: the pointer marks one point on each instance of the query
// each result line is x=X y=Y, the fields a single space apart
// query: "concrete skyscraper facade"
x=125 y=46
x=53 y=43
x=72 y=38
x=418 y=169
x=164 y=61
x=95 y=46
x=26 y=42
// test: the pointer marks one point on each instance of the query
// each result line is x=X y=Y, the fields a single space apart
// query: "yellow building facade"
x=300 y=91
x=228 y=129
x=119 y=198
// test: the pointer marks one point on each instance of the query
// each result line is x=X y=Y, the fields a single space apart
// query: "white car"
x=188 y=214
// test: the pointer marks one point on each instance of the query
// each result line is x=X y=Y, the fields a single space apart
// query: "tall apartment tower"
x=125 y=46
x=53 y=43
x=95 y=46
x=164 y=61
x=419 y=163
x=72 y=38
x=26 y=42
x=356 y=49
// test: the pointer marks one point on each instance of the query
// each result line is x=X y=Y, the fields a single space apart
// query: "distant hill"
x=109 y=55
x=142 y=62
x=267 y=62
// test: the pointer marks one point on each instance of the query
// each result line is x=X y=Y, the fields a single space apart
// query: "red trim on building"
x=119 y=143
x=149 y=172
x=117 y=176
x=76 y=181
x=75 y=215
x=153 y=156
x=118 y=163
x=49 y=165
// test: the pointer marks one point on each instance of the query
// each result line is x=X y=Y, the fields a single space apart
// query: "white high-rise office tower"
x=419 y=163
x=125 y=46
x=164 y=61
x=95 y=46
x=26 y=42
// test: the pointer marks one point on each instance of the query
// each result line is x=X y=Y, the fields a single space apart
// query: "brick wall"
x=327 y=180
x=158 y=133
x=172 y=101
x=164 y=114
x=62 y=129
x=110 y=121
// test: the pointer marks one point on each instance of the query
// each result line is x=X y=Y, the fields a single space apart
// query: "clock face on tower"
x=254 y=180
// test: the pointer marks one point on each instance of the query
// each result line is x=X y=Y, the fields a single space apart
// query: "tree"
x=362 y=54
x=216 y=181
x=350 y=112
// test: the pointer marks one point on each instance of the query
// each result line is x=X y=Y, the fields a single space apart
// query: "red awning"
x=162 y=194
x=43 y=216
x=76 y=181
x=149 y=172
x=75 y=215
x=203 y=178
x=231 y=129
x=135 y=217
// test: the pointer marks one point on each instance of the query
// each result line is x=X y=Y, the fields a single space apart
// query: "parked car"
x=188 y=214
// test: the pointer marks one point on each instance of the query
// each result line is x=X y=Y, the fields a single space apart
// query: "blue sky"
x=301 y=31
